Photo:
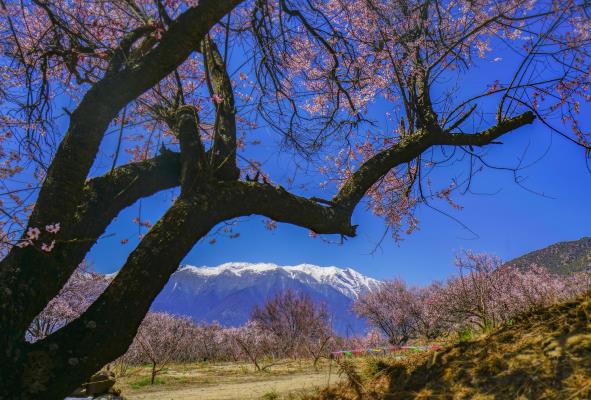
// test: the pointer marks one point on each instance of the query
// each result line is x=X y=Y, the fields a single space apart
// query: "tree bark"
x=153 y=373
x=30 y=278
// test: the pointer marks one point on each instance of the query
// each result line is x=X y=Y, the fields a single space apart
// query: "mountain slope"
x=228 y=293
x=560 y=258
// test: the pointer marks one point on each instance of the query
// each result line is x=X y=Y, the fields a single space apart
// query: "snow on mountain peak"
x=229 y=292
x=347 y=281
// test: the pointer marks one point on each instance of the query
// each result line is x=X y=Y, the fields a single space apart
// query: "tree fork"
x=32 y=286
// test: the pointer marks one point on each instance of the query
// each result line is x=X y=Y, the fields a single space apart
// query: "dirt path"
x=239 y=390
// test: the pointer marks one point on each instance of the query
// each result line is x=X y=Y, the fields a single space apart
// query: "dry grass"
x=543 y=355
x=289 y=379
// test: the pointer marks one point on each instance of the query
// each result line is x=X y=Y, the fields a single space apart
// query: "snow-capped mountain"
x=227 y=293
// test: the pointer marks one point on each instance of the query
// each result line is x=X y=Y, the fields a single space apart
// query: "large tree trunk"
x=29 y=278
x=52 y=367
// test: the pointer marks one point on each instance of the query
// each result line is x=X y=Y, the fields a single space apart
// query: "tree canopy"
x=182 y=85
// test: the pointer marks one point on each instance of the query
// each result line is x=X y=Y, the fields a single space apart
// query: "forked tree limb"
x=410 y=148
x=223 y=157
x=29 y=278
x=111 y=322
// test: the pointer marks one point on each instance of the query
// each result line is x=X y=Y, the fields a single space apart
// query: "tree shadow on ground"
x=545 y=354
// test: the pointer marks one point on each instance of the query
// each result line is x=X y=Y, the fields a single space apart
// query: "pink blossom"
x=270 y=224
x=217 y=99
x=158 y=33
x=299 y=325
x=53 y=228
x=79 y=292
x=33 y=233
x=161 y=338
x=484 y=295
x=48 y=247
x=24 y=243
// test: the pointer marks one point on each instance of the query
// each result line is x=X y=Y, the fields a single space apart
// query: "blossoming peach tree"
x=181 y=85
x=484 y=295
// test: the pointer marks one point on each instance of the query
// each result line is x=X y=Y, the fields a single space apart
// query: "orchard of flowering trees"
x=289 y=325
x=400 y=313
x=83 y=287
x=104 y=103
x=484 y=295
x=299 y=325
x=161 y=338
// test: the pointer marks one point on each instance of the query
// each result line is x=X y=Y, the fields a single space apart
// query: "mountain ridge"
x=562 y=258
x=227 y=293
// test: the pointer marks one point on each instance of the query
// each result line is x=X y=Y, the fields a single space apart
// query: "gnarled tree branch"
x=410 y=148
x=67 y=174
x=223 y=157
x=193 y=157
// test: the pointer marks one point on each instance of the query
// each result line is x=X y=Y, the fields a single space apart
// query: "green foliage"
x=488 y=326
x=561 y=258
x=467 y=334
x=146 y=382
x=374 y=367
x=272 y=395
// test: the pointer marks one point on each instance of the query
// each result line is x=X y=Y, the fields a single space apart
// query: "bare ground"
x=239 y=390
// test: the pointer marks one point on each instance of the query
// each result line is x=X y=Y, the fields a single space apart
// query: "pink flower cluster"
x=33 y=233
x=485 y=294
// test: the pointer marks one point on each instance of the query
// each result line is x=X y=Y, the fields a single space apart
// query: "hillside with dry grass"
x=541 y=355
x=560 y=258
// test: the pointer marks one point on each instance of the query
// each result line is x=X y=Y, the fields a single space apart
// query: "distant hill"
x=560 y=258
x=227 y=293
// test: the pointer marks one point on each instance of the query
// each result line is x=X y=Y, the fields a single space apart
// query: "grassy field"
x=226 y=381
x=545 y=354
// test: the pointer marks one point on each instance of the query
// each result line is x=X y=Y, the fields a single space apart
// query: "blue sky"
x=508 y=219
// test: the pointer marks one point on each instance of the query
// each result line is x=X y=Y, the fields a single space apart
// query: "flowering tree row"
x=104 y=103
x=83 y=287
x=485 y=294
x=288 y=325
